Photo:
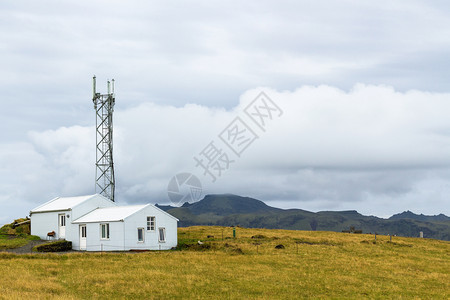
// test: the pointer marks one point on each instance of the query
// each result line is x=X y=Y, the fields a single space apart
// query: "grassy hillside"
x=11 y=242
x=19 y=226
x=230 y=210
x=14 y=235
x=312 y=264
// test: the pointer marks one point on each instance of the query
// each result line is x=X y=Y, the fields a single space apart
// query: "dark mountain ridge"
x=410 y=215
x=228 y=204
x=231 y=210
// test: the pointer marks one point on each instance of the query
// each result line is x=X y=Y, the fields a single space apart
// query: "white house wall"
x=139 y=219
x=73 y=230
x=89 y=205
x=94 y=241
x=43 y=223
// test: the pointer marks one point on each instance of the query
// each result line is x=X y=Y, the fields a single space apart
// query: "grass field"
x=10 y=242
x=311 y=265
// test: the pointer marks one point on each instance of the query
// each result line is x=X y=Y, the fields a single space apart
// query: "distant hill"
x=231 y=210
x=410 y=215
x=228 y=204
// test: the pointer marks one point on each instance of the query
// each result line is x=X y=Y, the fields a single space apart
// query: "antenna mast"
x=104 y=171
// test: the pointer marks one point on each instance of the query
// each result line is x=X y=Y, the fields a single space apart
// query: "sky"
x=356 y=97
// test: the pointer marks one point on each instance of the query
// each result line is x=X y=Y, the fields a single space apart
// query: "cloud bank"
x=372 y=148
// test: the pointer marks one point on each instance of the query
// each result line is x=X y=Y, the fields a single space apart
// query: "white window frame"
x=150 y=226
x=107 y=232
x=159 y=234
x=141 y=229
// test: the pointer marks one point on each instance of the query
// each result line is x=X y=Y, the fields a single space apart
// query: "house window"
x=140 y=235
x=104 y=229
x=62 y=220
x=162 y=234
x=150 y=223
x=83 y=231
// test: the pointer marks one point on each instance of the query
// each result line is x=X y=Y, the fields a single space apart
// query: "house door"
x=62 y=226
x=83 y=235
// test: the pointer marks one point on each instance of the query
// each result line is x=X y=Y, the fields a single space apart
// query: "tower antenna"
x=104 y=171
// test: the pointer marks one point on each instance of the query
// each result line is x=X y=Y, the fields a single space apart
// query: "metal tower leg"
x=104 y=171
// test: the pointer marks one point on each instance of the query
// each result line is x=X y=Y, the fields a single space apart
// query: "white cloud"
x=371 y=149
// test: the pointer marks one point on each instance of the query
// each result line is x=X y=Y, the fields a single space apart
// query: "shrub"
x=232 y=249
x=193 y=246
x=258 y=236
x=7 y=229
x=58 y=246
x=238 y=250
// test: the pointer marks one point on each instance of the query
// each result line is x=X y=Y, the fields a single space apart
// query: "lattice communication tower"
x=104 y=171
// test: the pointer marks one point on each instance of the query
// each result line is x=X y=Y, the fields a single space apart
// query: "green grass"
x=13 y=241
x=312 y=265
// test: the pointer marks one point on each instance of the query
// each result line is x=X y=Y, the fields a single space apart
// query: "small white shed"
x=94 y=223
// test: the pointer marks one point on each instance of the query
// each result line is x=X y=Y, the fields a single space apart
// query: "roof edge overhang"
x=102 y=221
x=89 y=197
x=165 y=212
x=49 y=211
x=48 y=202
x=158 y=209
x=146 y=205
x=56 y=198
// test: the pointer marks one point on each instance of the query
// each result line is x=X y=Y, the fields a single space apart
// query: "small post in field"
x=257 y=246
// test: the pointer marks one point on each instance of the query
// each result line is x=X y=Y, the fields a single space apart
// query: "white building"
x=95 y=223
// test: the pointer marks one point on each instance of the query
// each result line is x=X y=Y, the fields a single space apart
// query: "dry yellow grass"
x=312 y=265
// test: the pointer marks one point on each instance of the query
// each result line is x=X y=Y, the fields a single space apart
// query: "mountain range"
x=233 y=210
